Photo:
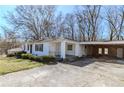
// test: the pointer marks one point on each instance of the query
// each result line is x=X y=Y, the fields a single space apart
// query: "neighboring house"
x=14 y=50
x=64 y=47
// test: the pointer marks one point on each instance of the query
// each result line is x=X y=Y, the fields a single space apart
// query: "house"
x=64 y=47
x=14 y=50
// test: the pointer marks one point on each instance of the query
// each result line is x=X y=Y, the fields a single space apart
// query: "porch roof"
x=103 y=43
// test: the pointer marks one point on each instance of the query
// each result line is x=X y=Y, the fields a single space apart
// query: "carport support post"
x=63 y=49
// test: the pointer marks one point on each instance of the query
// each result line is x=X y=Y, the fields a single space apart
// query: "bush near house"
x=48 y=59
x=31 y=57
x=39 y=59
x=44 y=59
x=10 y=55
x=18 y=54
x=25 y=56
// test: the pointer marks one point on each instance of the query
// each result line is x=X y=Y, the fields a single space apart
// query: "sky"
x=5 y=8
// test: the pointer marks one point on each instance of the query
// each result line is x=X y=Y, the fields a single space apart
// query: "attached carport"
x=107 y=48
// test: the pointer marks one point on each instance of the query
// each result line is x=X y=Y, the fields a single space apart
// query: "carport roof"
x=103 y=43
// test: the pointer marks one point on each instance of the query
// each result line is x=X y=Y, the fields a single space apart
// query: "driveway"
x=87 y=72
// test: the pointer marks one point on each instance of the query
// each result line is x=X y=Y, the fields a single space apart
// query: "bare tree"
x=88 y=20
x=84 y=23
x=9 y=40
x=115 y=19
x=59 y=25
x=70 y=25
x=93 y=18
x=37 y=20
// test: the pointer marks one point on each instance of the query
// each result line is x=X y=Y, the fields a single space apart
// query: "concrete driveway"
x=87 y=72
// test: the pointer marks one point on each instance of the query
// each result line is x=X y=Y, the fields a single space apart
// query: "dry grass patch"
x=11 y=64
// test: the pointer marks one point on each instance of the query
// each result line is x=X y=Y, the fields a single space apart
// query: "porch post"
x=63 y=49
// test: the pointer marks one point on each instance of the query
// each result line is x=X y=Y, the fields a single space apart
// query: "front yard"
x=86 y=72
x=11 y=64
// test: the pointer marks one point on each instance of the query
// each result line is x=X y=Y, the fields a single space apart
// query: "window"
x=100 y=51
x=38 y=47
x=69 y=47
x=106 y=51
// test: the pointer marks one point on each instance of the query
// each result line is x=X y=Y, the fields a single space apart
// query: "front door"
x=31 y=49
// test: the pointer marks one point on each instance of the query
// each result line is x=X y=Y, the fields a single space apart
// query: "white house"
x=54 y=47
x=64 y=47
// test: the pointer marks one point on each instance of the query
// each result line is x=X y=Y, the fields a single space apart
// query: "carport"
x=107 y=48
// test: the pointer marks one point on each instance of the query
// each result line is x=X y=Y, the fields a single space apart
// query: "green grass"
x=11 y=64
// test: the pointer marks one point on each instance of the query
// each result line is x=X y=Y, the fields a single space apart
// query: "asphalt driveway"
x=87 y=72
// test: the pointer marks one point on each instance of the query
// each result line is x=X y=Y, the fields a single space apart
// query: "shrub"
x=38 y=58
x=47 y=59
x=18 y=54
x=44 y=59
x=10 y=55
x=25 y=56
x=31 y=57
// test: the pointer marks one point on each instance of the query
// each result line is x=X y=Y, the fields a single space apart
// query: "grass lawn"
x=11 y=64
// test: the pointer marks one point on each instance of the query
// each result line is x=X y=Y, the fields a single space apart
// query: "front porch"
x=64 y=49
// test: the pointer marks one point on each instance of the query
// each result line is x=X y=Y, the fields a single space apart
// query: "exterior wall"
x=79 y=50
x=120 y=52
x=54 y=49
x=112 y=51
x=92 y=50
x=41 y=53
x=83 y=50
x=38 y=53
x=25 y=47
x=89 y=50
x=28 y=51
x=70 y=52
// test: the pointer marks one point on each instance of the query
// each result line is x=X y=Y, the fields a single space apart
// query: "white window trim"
x=100 y=51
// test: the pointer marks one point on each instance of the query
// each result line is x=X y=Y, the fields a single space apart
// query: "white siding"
x=54 y=49
x=70 y=52
x=28 y=51
x=83 y=50
x=78 y=50
x=41 y=53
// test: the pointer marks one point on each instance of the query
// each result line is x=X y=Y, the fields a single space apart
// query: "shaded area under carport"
x=93 y=50
x=84 y=61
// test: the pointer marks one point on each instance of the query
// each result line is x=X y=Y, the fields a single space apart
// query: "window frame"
x=68 y=48
x=100 y=51
x=106 y=52
x=39 y=47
